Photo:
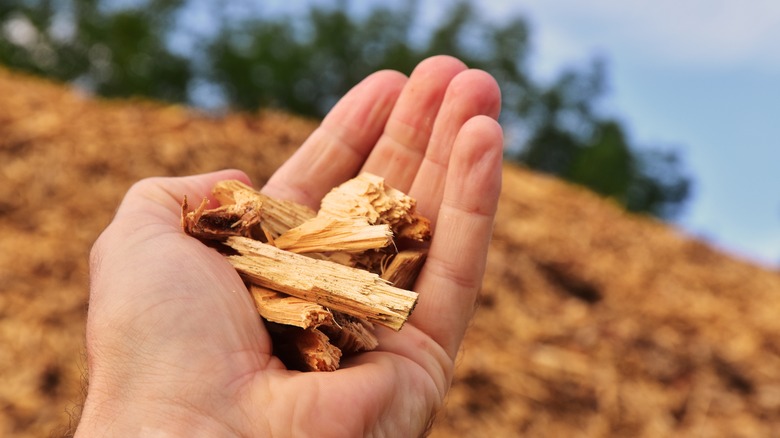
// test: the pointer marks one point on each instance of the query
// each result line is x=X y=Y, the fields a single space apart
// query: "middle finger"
x=402 y=146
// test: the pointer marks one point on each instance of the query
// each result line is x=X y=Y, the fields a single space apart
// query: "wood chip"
x=304 y=349
x=351 y=334
x=227 y=220
x=315 y=277
x=277 y=215
x=338 y=287
x=403 y=268
x=284 y=309
x=325 y=234
x=369 y=197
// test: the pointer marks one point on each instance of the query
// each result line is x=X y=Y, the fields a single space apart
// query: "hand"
x=174 y=343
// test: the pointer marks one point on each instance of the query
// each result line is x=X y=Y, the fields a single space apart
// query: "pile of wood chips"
x=320 y=280
x=592 y=322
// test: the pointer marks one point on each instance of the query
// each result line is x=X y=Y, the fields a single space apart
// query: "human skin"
x=174 y=344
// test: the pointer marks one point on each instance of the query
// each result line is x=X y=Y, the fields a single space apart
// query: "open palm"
x=174 y=343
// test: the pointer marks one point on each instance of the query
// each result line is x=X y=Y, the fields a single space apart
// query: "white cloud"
x=707 y=33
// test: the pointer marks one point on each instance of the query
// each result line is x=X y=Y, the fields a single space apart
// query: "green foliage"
x=116 y=53
x=307 y=70
x=304 y=63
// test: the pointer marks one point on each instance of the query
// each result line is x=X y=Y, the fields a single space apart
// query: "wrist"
x=115 y=415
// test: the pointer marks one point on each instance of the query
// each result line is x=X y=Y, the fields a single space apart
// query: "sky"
x=700 y=76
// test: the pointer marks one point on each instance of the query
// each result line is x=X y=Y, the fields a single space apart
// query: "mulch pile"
x=592 y=322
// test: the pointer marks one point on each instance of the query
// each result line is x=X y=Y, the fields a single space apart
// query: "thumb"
x=154 y=283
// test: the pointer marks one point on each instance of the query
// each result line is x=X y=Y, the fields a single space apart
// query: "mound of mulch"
x=592 y=322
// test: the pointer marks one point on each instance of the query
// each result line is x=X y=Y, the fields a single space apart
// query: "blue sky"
x=702 y=76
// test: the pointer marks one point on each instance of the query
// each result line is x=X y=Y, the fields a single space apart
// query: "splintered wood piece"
x=352 y=291
x=278 y=216
x=284 y=309
x=329 y=234
x=419 y=229
x=368 y=196
x=319 y=306
x=303 y=349
x=221 y=222
x=402 y=271
x=350 y=334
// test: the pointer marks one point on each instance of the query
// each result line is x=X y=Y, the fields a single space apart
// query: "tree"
x=303 y=63
x=113 y=52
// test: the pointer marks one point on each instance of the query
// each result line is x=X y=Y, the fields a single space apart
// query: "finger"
x=470 y=94
x=339 y=147
x=401 y=148
x=452 y=276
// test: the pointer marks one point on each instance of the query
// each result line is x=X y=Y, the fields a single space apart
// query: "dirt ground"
x=592 y=322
